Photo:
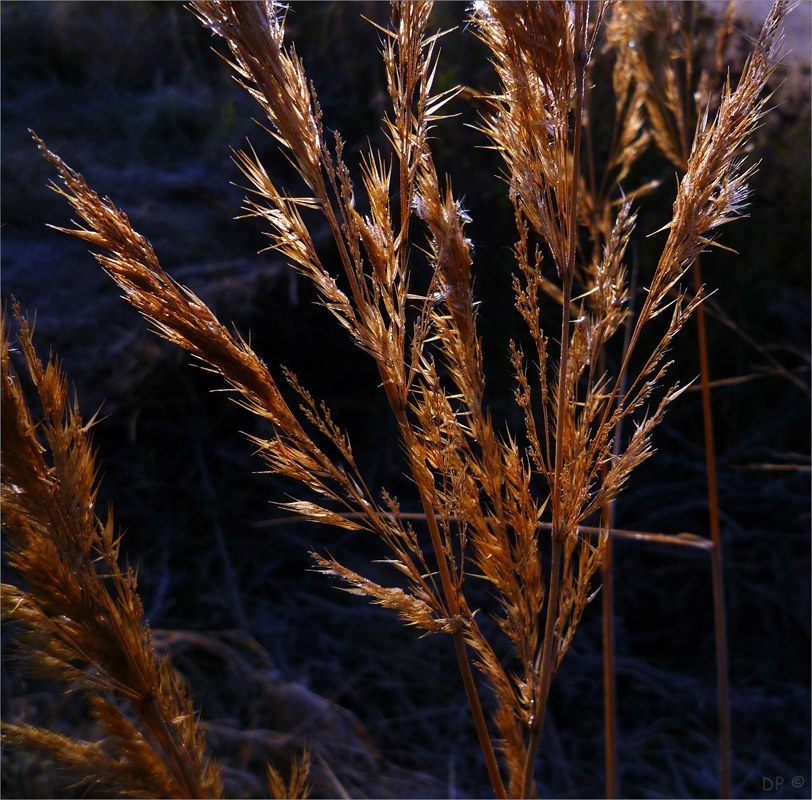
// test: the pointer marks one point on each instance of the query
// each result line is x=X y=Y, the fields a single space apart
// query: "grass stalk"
x=609 y=671
x=452 y=599
x=491 y=764
x=717 y=563
x=537 y=728
x=685 y=539
x=608 y=519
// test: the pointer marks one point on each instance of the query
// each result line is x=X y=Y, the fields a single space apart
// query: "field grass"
x=149 y=114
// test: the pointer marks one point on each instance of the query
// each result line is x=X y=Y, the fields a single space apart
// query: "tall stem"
x=717 y=571
x=478 y=716
x=717 y=564
x=537 y=726
x=608 y=519
x=609 y=671
x=452 y=599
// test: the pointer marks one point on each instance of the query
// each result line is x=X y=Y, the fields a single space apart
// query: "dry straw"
x=507 y=508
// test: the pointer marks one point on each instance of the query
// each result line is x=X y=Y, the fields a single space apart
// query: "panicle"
x=80 y=613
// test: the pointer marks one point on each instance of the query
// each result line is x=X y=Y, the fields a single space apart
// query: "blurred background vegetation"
x=131 y=95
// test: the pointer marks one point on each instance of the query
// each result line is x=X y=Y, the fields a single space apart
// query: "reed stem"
x=537 y=726
x=717 y=562
x=608 y=519
x=609 y=671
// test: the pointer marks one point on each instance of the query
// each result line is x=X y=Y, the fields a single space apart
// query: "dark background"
x=131 y=95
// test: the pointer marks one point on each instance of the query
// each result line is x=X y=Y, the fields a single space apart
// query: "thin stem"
x=452 y=600
x=609 y=671
x=537 y=726
x=688 y=43
x=717 y=571
x=478 y=716
x=684 y=539
x=594 y=223
x=608 y=516
x=717 y=564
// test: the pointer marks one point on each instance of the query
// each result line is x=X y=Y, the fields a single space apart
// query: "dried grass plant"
x=82 y=618
x=507 y=509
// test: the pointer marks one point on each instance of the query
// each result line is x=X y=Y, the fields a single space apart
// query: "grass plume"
x=81 y=617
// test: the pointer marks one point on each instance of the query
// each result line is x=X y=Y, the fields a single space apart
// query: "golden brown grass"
x=81 y=615
x=486 y=493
